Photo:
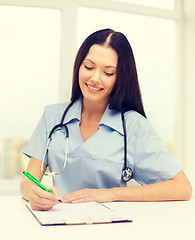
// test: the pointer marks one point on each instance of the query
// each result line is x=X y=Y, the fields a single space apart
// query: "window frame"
x=68 y=41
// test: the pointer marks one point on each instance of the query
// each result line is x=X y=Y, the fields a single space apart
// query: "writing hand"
x=41 y=200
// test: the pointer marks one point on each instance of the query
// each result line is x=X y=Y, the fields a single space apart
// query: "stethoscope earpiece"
x=127 y=174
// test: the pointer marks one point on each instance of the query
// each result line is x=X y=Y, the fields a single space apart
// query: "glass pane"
x=29 y=60
x=155 y=59
x=166 y=4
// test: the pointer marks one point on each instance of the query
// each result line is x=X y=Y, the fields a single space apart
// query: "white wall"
x=189 y=89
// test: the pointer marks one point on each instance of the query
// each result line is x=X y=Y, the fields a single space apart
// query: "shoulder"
x=54 y=112
x=135 y=118
x=55 y=108
x=137 y=123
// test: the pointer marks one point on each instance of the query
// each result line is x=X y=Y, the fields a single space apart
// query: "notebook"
x=78 y=213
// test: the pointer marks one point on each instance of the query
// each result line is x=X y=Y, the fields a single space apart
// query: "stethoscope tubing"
x=127 y=172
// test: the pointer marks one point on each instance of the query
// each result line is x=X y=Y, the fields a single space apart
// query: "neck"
x=91 y=109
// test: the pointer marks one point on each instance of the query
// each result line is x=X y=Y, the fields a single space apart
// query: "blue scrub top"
x=99 y=161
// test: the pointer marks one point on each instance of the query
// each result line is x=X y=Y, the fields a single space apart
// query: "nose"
x=96 y=77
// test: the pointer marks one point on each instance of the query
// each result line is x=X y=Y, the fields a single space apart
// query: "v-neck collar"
x=74 y=112
x=110 y=118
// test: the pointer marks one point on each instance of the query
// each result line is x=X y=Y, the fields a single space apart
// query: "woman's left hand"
x=89 y=195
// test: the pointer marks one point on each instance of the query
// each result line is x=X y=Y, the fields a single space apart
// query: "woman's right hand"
x=41 y=200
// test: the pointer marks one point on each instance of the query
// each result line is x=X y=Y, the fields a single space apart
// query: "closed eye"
x=109 y=74
x=88 y=68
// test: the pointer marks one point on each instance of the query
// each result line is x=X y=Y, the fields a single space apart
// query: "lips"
x=93 y=88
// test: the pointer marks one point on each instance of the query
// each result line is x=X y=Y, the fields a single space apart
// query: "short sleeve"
x=152 y=160
x=37 y=143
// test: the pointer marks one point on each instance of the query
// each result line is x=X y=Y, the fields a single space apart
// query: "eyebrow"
x=94 y=63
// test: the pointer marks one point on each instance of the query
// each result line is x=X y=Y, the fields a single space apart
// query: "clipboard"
x=77 y=214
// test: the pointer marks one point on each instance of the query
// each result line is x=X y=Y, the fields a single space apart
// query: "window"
x=29 y=60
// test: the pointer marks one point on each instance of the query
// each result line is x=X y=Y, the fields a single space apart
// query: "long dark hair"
x=126 y=93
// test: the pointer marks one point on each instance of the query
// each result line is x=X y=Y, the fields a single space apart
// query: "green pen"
x=35 y=180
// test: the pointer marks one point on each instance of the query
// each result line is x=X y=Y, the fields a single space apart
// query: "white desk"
x=158 y=220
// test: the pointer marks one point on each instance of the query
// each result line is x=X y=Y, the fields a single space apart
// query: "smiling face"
x=97 y=73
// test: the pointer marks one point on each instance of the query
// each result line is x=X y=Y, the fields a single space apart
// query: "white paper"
x=77 y=213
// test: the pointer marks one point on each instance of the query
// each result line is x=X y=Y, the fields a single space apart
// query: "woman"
x=105 y=84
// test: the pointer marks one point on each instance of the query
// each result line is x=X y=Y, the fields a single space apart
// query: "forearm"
x=26 y=185
x=177 y=188
x=173 y=189
x=153 y=192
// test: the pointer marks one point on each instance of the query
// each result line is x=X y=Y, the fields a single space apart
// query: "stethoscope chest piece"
x=127 y=174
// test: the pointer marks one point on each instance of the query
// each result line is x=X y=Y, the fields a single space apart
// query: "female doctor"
x=105 y=106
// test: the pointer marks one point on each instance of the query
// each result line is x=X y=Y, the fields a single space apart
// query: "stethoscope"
x=127 y=172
